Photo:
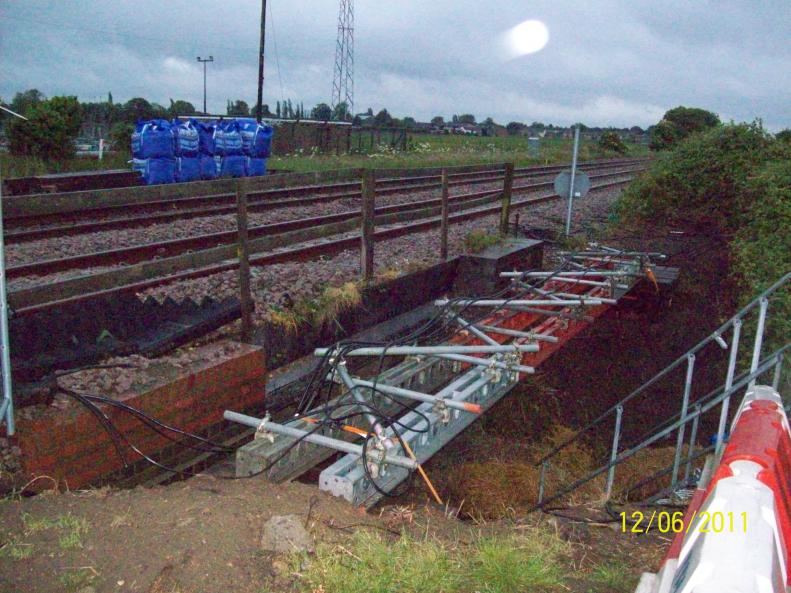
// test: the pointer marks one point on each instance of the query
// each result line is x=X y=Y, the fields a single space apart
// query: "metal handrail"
x=716 y=336
x=768 y=363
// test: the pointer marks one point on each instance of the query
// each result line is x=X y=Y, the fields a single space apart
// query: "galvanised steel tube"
x=316 y=439
x=517 y=334
x=431 y=350
x=485 y=362
x=418 y=396
x=564 y=275
x=465 y=325
x=519 y=303
x=372 y=420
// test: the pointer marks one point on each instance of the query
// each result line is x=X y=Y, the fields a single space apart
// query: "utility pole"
x=259 y=105
x=204 y=61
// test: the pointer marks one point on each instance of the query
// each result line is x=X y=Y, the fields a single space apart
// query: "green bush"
x=680 y=122
x=49 y=131
x=734 y=179
x=611 y=141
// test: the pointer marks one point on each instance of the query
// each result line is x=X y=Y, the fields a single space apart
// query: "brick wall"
x=74 y=448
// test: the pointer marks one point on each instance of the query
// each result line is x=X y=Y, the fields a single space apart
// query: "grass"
x=614 y=577
x=477 y=241
x=318 y=311
x=76 y=579
x=22 y=166
x=504 y=564
x=451 y=150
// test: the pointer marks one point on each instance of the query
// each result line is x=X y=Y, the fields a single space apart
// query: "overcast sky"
x=618 y=62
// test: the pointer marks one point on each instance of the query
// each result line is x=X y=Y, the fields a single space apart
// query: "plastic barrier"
x=739 y=537
x=256 y=166
x=152 y=140
x=231 y=166
x=185 y=138
x=256 y=138
x=188 y=169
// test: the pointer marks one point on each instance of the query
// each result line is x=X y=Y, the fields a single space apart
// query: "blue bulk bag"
x=208 y=167
x=155 y=171
x=232 y=166
x=256 y=138
x=185 y=138
x=188 y=169
x=256 y=166
x=152 y=139
x=227 y=139
x=206 y=137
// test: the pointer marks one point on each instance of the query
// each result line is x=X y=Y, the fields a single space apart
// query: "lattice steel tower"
x=343 y=78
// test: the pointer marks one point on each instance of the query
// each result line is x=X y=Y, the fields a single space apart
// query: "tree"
x=466 y=118
x=180 y=107
x=383 y=119
x=322 y=112
x=341 y=112
x=438 y=120
x=121 y=136
x=137 y=109
x=50 y=131
x=110 y=98
x=277 y=109
x=611 y=141
x=514 y=127
x=538 y=126
x=26 y=99
x=238 y=108
x=409 y=122
x=370 y=112
x=680 y=122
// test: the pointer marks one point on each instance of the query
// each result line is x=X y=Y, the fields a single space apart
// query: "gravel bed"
x=308 y=279
x=67 y=246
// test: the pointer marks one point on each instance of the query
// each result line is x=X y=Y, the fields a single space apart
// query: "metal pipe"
x=5 y=348
x=737 y=330
x=518 y=303
x=487 y=362
x=573 y=174
x=316 y=439
x=474 y=330
x=616 y=436
x=683 y=419
x=564 y=275
x=777 y=373
x=518 y=334
x=759 y=337
x=419 y=396
x=693 y=436
x=431 y=350
x=376 y=426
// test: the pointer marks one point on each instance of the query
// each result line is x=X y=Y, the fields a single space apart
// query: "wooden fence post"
x=508 y=184
x=242 y=252
x=367 y=224
x=443 y=246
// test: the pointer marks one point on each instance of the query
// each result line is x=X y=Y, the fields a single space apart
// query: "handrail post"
x=684 y=407
x=759 y=338
x=614 y=452
x=693 y=436
x=367 y=222
x=508 y=184
x=737 y=330
x=443 y=241
x=778 y=371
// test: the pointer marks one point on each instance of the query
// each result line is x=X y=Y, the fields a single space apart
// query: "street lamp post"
x=204 y=61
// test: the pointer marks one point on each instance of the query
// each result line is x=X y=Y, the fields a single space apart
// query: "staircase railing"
x=691 y=409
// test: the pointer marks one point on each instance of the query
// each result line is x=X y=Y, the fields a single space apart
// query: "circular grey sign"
x=582 y=184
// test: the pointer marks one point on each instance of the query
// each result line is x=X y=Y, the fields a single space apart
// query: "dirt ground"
x=202 y=536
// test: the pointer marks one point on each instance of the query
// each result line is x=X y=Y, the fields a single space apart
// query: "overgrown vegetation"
x=477 y=241
x=50 y=130
x=679 y=123
x=734 y=180
x=532 y=561
x=319 y=311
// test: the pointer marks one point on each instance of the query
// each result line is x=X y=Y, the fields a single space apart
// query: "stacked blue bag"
x=228 y=149
x=180 y=151
x=187 y=150
x=153 y=151
x=256 y=144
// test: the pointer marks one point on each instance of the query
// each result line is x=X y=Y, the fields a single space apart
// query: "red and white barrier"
x=737 y=535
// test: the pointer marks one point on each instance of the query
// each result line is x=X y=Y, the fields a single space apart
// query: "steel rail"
x=297 y=253
x=262 y=200
x=143 y=252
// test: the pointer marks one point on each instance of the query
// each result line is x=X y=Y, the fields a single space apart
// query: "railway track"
x=31 y=227
x=159 y=249
x=325 y=240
